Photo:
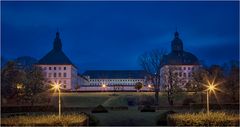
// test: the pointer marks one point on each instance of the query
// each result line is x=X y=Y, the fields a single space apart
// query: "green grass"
x=45 y=120
x=92 y=99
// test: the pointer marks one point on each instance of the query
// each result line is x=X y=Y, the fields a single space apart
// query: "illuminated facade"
x=115 y=77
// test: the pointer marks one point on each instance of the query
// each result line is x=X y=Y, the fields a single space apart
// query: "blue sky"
x=111 y=35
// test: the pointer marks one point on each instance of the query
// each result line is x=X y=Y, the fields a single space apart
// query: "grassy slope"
x=107 y=99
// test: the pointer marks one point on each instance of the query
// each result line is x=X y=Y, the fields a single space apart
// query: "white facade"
x=183 y=74
x=111 y=82
x=66 y=75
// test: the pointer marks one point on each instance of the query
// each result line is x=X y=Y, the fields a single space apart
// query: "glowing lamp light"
x=19 y=86
x=149 y=86
x=211 y=87
x=104 y=85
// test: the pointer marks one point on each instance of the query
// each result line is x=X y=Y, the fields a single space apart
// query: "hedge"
x=202 y=119
x=216 y=106
x=46 y=120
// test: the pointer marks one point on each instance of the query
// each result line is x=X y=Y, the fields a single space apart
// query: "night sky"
x=111 y=35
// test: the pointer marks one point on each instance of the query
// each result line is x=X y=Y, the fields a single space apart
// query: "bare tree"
x=171 y=82
x=151 y=63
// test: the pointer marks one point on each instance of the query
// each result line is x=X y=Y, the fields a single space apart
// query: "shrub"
x=188 y=101
x=92 y=120
x=162 y=119
x=45 y=120
x=202 y=119
x=148 y=108
x=99 y=109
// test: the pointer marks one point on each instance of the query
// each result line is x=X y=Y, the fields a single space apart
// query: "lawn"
x=92 y=99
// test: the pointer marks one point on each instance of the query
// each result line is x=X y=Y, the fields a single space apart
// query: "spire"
x=176 y=34
x=57 y=45
x=177 y=44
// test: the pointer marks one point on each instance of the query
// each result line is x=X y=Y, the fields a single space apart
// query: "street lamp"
x=211 y=87
x=149 y=86
x=104 y=86
x=57 y=87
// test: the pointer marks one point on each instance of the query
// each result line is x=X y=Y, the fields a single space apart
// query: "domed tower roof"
x=178 y=56
x=177 y=45
x=56 y=56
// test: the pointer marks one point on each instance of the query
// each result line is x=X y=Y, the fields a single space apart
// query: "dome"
x=180 y=58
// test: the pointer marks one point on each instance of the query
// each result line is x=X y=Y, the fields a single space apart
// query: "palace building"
x=179 y=65
x=57 y=67
x=113 y=80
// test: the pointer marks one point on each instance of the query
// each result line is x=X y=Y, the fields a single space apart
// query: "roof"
x=56 y=56
x=180 y=58
x=115 y=74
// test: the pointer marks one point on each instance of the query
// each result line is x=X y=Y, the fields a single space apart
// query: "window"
x=60 y=81
x=192 y=68
x=189 y=74
x=59 y=68
x=188 y=68
x=184 y=74
x=64 y=74
x=64 y=82
x=64 y=86
x=45 y=68
x=55 y=68
x=50 y=68
x=59 y=74
x=45 y=74
x=55 y=75
x=180 y=74
x=64 y=68
x=184 y=68
x=49 y=75
x=180 y=68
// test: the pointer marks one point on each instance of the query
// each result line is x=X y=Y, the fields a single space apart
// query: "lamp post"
x=211 y=87
x=57 y=87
